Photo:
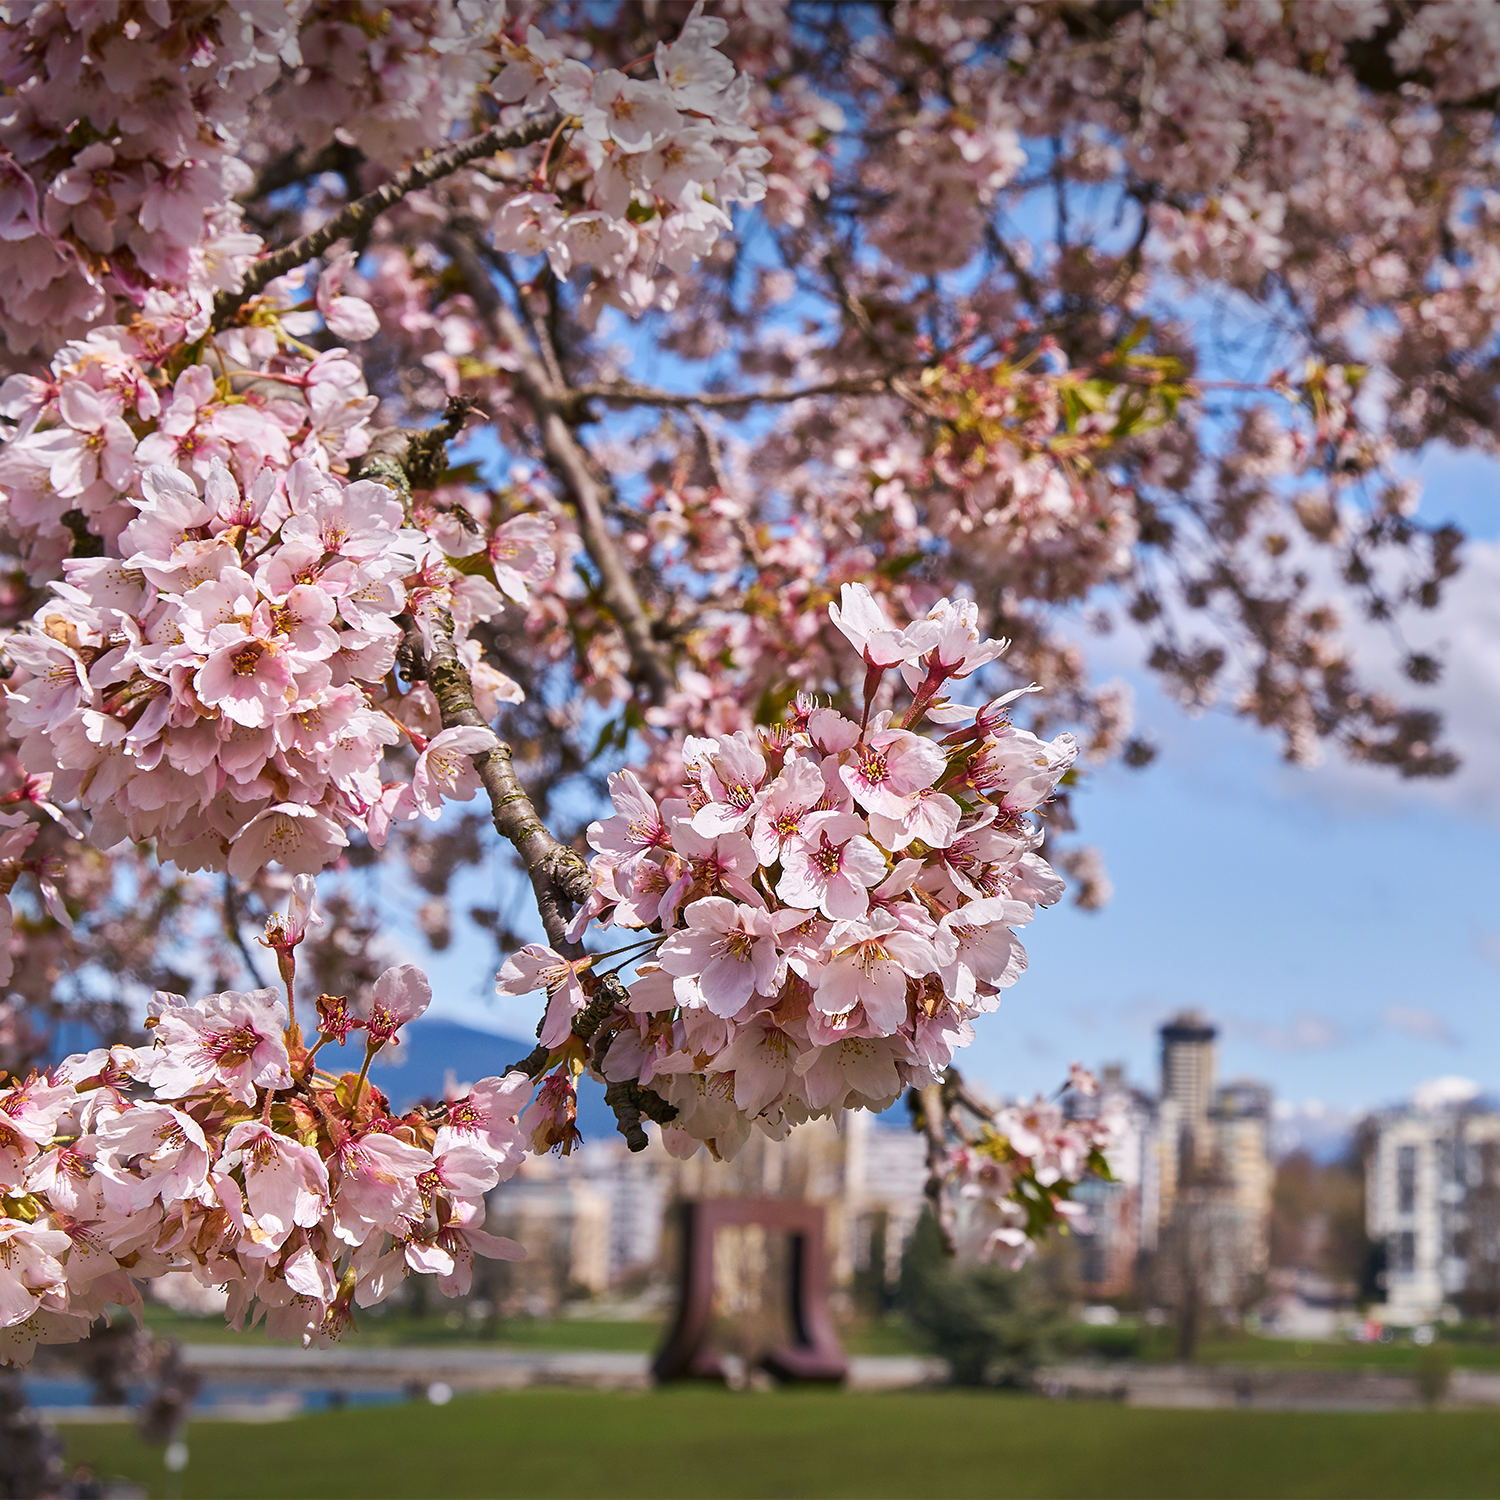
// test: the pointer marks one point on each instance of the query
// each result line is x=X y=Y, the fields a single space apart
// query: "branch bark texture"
x=558 y=876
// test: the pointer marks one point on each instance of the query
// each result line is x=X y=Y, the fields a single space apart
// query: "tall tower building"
x=1187 y=1084
x=1187 y=1068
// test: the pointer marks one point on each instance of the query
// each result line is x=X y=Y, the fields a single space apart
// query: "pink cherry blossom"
x=401 y=994
x=286 y=1184
x=730 y=948
x=831 y=865
x=445 y=769
x=872 y=956
x=731 y=775
x=537 y=967
x=866 y=628
x=890 y=769
x=487 y=1117
x=233 y=1041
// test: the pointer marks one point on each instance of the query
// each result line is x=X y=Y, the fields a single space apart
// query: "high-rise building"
x=1187 y=1066
x=1432 y=1196
x=1124 y=1213
x=1192 y=1168
x=1239 y=1128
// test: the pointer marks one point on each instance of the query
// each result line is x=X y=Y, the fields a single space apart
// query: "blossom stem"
x=613 y=952
x=559 y=878
x=873 y=674
x=364 y=1070
x=556 y=409
x=540 y=181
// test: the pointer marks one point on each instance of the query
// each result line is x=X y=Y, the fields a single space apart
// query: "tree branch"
x=232 y=922
x=363 y=211
x=555 y=406
x=645 y=395
x=559 y=877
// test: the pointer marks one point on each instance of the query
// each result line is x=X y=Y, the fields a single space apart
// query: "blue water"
x=66 y=1391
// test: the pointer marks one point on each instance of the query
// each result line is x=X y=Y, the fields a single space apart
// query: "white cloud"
x=1464 y=634
x=1424 y=1025
x=1305 y=1032
x=1449 y=1089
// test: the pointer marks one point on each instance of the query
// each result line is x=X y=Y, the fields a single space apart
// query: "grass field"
x=714 y=1443
x=891 y=1336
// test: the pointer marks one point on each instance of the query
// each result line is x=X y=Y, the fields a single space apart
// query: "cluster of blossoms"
x=653 y=166
x=1006 y=1185
x=119 y=154
x=828 y=907
x=221 y=684
x=828 y=904
x=222 y=1151
x=122 y=138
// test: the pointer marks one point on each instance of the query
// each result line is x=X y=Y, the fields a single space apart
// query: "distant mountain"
x=417 y=1069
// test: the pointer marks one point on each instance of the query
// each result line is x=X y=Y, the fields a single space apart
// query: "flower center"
x=232 y=1046
x=737 y=944
x=828 y=858
x=646 y=831
x=467 y=1115
x=246 y=659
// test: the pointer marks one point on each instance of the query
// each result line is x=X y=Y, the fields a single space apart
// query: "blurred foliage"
x=993 y=1326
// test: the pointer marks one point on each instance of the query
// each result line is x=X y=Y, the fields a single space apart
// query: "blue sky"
x=1343 y=928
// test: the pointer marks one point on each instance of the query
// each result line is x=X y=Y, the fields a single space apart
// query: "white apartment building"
x=1432 y=1195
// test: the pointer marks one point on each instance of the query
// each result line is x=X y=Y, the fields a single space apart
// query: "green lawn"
x=891 y=1336
x=436 y=1329
x=1160 y=1345
x=713 y=1443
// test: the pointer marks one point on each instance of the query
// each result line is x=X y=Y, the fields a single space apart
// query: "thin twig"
x=232 y=922
x=930 y=1115
x=555 y=407
x=358 y=215
x=645 y=395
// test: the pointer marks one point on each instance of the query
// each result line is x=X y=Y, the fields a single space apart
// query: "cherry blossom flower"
x=637 y=825
x=30 y=1267
x=831 y=865
x=732 y=775
x=487 y=1117
x=401 y=995
x=286 y=1184
x=349 y=318
x=872 y=956
x=974 y=945
x=799 y=790
x=232 y=1041
x=866 y=628
x=449 y=1254
x=290 y=930
x=730 y=949
x=374 y=1179
x=890 y=770
x=537 y=967
x=959 y=647
x=548 y=1121
x=445 y=769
